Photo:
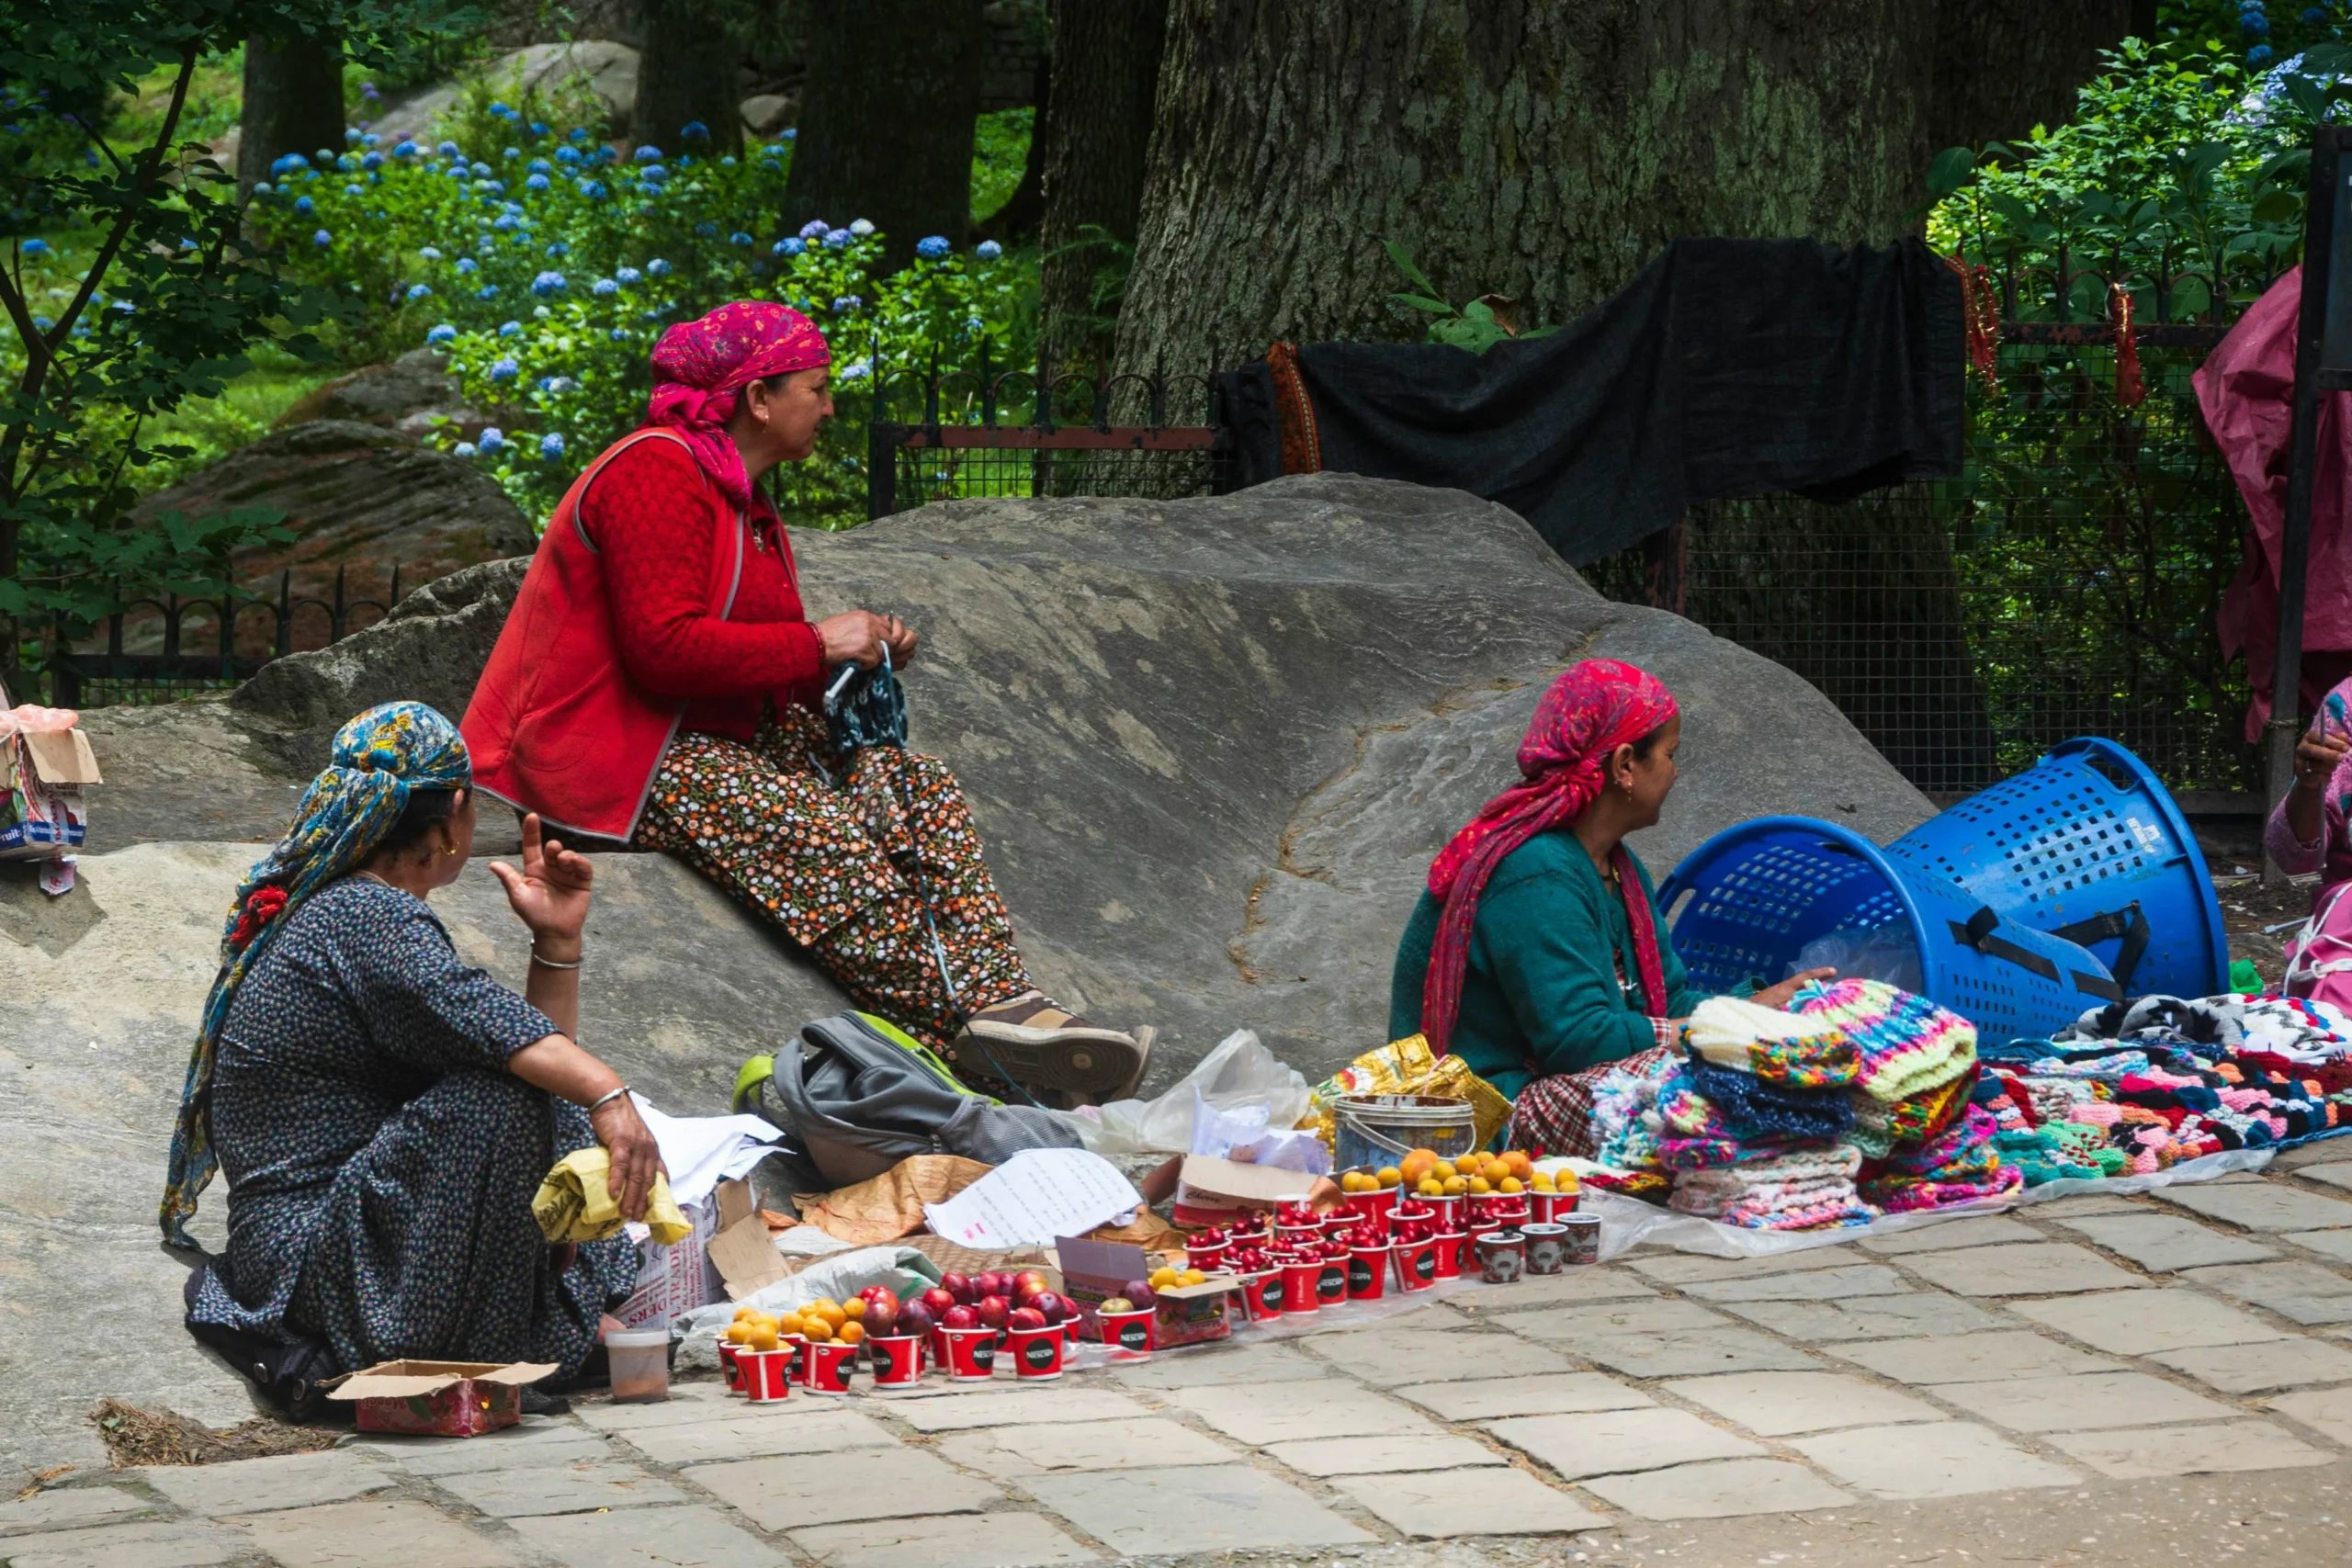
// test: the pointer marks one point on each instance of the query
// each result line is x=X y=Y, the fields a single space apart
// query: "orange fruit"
x=818 y=1330
x=1455 y=1186
x=790 y=1324
x=1511 y=1184
x=1480 y=1186
x=854 y=1307
x=1191 y=1277
x=743 y=1312
x=1416 y=1165
x=738 y=1332
x=1430 y=1187
x=832 y=1315
x=851 y=1332
x=1161 y=1278
x=762 y=1339
x=1444 y=1170
x=1520 y=1165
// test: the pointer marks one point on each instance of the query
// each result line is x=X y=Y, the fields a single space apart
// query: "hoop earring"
x=448 y=849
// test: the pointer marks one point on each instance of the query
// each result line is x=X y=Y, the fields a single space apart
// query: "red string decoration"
x=260 y=909
x=1980 y=310
x=2130 y=390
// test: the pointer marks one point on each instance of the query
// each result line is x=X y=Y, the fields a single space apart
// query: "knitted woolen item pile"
x=1803 y=1189
x=1961 y=1165
x=1906 y=1045
x=1778 y=1047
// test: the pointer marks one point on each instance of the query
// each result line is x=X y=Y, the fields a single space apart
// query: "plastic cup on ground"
x=1583 y=1238
x=640 y=1365
x=1547 y=1247
x=1036 y=1352
x=1448 y=1254
x=728 y=1368
x=1502 y=1256
x=1331 y=1282
x=767 y=1374
x=1126 y=1336
x=1261 y=1295
x=898 y=1359
x=971 y=1354
x=1417 y=1264
x=1207 y=1259
x=1367 y=1272
x=830 y=1365
x=1298 y=1285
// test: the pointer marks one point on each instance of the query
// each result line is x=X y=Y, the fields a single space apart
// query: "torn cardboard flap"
x=63 y=757
x=1225 y=1184
x=408 y=1379
x=741 y=1250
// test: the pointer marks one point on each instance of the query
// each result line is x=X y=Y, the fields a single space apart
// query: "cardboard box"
x=1094 y=1272
x=729 y=1255
x=41 y=777
x=742 y=1250
x=1209 y=1192
x=1192 y=1314
x=440 y=1398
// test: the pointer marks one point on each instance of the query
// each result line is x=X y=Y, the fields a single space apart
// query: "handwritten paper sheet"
x=1033 y=1197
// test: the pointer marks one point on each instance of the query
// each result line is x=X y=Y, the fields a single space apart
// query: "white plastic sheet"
x=1239 y=1073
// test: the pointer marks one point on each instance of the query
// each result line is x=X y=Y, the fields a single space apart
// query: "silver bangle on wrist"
x=607 y=1099
x=549 y=962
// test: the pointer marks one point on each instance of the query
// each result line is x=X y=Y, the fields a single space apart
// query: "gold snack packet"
x=1409 y=1066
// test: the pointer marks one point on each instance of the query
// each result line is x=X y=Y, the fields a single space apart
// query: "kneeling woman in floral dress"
x=658 y=682
x=384 y=1113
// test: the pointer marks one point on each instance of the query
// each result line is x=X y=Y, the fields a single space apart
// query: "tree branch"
x=152 y=161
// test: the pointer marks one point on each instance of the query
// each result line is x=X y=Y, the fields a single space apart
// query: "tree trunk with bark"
x=885 y=122
x=1094 y=132
x=686 y=74
x=293 y=103
x=2005 y=66
x=1026 y=208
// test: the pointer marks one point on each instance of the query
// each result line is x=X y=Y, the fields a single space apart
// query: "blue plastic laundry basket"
x=1742 y=905
x=2086 y=844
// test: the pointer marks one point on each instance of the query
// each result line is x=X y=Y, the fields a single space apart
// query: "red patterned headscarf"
x=1592 y=709
x=700 y=367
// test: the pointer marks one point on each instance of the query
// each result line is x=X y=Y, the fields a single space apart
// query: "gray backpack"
x=860 y=1095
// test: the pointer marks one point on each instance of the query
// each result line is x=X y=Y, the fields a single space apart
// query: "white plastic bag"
x=1238 y=1073
x=1243 y=1135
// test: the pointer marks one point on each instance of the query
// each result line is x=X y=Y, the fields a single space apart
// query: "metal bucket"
x=1373 y=1130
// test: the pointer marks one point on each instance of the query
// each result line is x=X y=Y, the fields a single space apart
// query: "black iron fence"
x=154 y=650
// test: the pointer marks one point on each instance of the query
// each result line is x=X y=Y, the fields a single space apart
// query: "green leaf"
x=1949 y=170
x=1413 y=274
x=2278 y=206
x=1438 y=306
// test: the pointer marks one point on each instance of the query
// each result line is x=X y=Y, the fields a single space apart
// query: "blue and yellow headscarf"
x=380 y=759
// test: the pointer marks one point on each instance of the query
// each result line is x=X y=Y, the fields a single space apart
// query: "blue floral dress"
x=381 y=1159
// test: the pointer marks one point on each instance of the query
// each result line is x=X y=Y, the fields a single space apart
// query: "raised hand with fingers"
x=550 y=893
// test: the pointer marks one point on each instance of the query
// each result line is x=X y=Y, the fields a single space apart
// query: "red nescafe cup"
x=1417 y=1264
x=1330 y=1281
x=898 y=1359
x=1036 y=1352
x=830 y=1363
x=767 y=1375
x=1207 y=1259
x=1299 y=1279
x=1262 y=1294
x=1539 y=1207
x=733 y=1373
x=1448 y=1212
x=971 y=1354
x=1449 y=1245
x=1126 y=1336
x=1367 y=1273
x=1301 y=1234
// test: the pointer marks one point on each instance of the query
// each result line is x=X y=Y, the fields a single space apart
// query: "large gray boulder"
x=592 y=65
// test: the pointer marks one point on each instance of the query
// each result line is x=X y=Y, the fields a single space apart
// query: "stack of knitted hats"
x=1806 y=1188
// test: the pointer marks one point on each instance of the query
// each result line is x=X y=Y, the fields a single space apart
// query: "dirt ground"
x=2233 y=855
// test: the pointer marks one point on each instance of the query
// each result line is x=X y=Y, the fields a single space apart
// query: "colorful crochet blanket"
x=1906 y=1043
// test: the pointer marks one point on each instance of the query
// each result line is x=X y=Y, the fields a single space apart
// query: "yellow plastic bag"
x=576 y=1202
x=1409 y=1066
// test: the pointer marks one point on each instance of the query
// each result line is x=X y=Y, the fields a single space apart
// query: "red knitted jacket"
x=647 y=513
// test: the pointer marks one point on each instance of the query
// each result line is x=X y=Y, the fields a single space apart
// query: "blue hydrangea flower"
x=351 y=134
x=653 y=174
x=372 y=162
x=815 y=229
x=791 y=246
x=846 y=303
x=491 y=440
x=579 y=133
x=695 y=130
x=493 y=187
x=648 y=154
x=2314 y=15
x=857 y=371
x=630 y=275
x=465 y=449
x=738 y=238
x=567 y=155
x=557 y=386
x=34 y=247
x=538 y=181
x=511 y=153
x=987 y=249
x=2254 y=24
x=354 y=190
x=540 y=166
x=504 y=222
x=481 y=171
x=347 y=164
x=704 y=229
x=504 y=370
x=548 y=283
x=47 y=323
x=728 y=162
x=447 y=149
x=603 y=287
x=931 y=247
x=538 y=128
x=2259 y=55
x=789 y=133
x=289 y=162
x=186 y=243
x=540 y=312
x=263 y=187
x=487 y=291
x=431 y=252
x=559 y=249
x=442 y=334
x=466 y=264
x=322 y=239
x=406 y=149
x=303 y=204
x=370 y=140
x=420 y=290
x=551 y=446
x=838 y=239
x=619 y=334
x=657 y=267
x=509 y=329
x=592 y=189
x=500 y=108
x=861 y=227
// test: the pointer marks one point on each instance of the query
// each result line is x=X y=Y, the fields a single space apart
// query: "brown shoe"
x=1053 y=1051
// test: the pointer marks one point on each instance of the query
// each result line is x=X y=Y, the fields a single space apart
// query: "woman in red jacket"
x=659 y=683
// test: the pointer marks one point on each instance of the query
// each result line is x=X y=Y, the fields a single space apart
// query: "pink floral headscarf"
x=700 y=367
x=1592 y=709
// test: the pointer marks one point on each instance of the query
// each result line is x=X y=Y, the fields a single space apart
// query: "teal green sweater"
x=1541 y=995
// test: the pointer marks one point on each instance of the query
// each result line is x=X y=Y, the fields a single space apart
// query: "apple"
x=880 y=1298
x=1049 y=1307
x=993 y=1310
x=1140 y=1293
x=1025 y=1317
x=1029 y=1281
x=938 y=1300
x=883 y=1318
x=959 y=1289
x=959 y=1316
x=916 y=1317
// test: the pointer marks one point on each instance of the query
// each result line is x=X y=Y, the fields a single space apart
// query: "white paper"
x=700 y=1152
x=1033 y=1197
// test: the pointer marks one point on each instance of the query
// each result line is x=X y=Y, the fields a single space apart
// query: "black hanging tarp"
x=1728 y=367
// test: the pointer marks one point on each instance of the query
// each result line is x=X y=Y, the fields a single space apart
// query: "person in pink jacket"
x=2311 y=830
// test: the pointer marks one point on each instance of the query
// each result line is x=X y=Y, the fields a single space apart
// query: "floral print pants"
x=859 y=859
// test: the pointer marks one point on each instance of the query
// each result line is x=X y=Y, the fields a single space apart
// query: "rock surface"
x=406 y=396
x=360 y=499
x=607 y=69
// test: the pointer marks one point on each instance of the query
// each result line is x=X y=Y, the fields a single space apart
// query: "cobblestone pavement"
x=2029 y=1387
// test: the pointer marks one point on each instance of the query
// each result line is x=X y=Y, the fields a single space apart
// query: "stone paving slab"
x=834 y=1489
x=2206 y=1449
x=159 y=1544
x=1003 y=1540
x=1719 y=1491
x=1471 y=1502
x=754 y=1435
x=2137 y=1322
x=1571 y=1287
x=1193 y=1508
x=1981 y=1230
x=1969 y=1358
x=1872 y=1317
x=2310 y=1293
x=1685 y=1268
x=2020 y=1269
x=1057 y=1448
x=1288 y=1412
x=1224 y=1364
x=1563 y=1394
x=687 y=1402
x=2327 y=1410
x=1777 y=1405
x=2261 y=1369
x=2333 y=1246
x=1382 y=1452
x=2259 y=1205
x=560 y=1489
x=1409 y=1355
x=1606 y=1442
x=651 y=1537
x=2082 y=1401
x=65 y=1507
x=2083 y=1203
x=401 y=1533
x=2337 y=1172
x=536 y=1441
x=1657 y=1316
x=1946 y=1459
x=2162 y=1243
x=257 y=1486
x=1809 y=1285
x=1014 y=1407
x=1691 y=1353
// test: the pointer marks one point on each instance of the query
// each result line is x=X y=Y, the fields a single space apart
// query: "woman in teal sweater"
x=1535 y=954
